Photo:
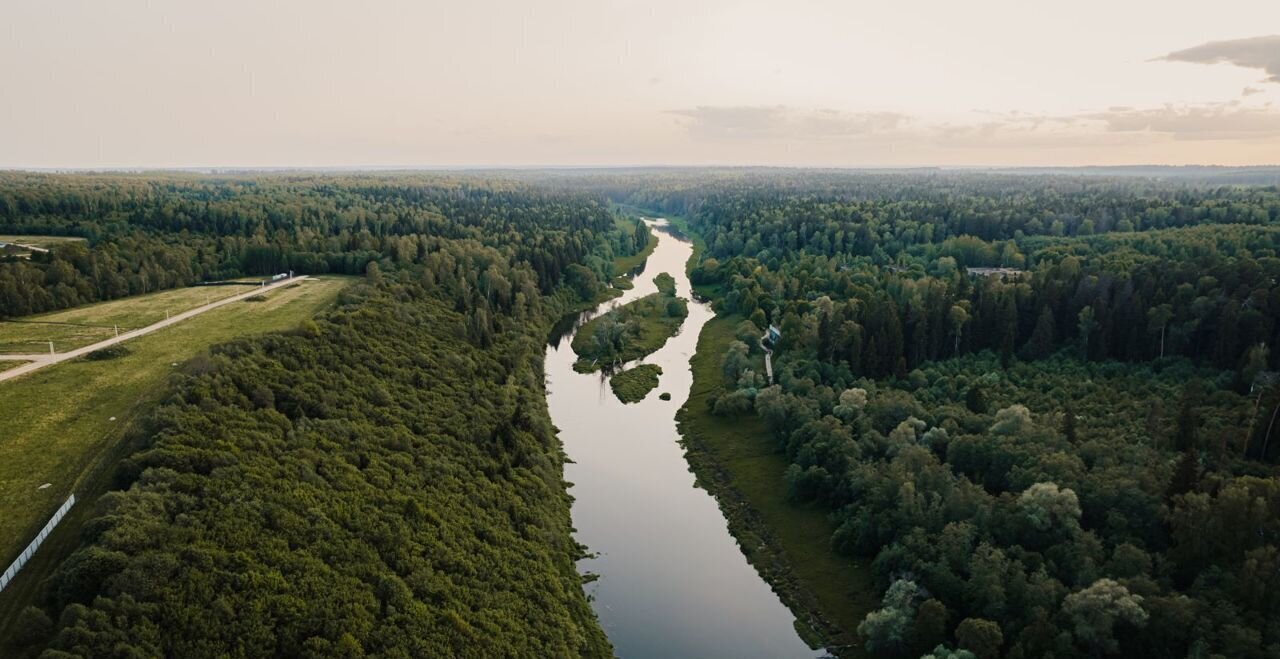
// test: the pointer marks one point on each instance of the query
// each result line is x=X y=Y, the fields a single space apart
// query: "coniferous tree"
x=1041 y=343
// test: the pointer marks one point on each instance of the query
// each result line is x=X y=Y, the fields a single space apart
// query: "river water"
x=673 y=582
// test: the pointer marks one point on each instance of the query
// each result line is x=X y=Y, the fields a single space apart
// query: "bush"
x=633 y=384
x=109 y=352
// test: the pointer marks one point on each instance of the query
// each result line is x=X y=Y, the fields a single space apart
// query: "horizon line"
x=582 y=167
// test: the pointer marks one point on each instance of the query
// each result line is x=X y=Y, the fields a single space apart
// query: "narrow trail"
x=768 y=357
x=41 y=360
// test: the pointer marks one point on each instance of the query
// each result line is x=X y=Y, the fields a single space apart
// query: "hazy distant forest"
x=1045 y=408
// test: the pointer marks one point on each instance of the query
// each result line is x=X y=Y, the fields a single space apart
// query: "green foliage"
x=633 y=242
x=1119 y=449
x=633 y=384
x=982 y=637
x=943 y=652
x=1036 y=405
x=159 y=231
x=343 y=484
x=666 y=283
x=887 y=631
x=1098 y=609
x=383 y=481
x=886 y=265
x=109 y=352
x=829 y=593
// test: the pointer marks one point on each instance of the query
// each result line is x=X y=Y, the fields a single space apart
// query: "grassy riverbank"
x=633 y=384
x=624 y=264
x=736 y=460
x=681 y=224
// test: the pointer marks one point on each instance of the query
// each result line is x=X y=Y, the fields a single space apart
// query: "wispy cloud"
x=1206 y=121
x=1254 y=53
x=779 y=122
x=1214 y=121
x=1232 y=120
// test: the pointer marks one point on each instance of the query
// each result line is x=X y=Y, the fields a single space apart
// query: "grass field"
x=40 y=241
x=736 y=459
x=79 y=326
x=63 y=425
x=8 y=364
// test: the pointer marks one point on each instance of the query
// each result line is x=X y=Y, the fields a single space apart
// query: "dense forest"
x=1043 y=407
x=148 y=233
x=384 y=480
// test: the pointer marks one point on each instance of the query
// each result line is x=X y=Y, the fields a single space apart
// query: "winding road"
x=39 y=361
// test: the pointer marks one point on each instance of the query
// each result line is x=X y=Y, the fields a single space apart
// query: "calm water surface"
x=673 y=582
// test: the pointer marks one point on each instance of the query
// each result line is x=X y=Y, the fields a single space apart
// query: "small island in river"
x=631 y=331
x=633 y=384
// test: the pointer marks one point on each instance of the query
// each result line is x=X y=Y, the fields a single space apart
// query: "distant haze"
x=233 y=83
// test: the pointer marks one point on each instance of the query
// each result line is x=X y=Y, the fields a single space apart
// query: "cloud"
x=1250 y=91
x=1117 y=126
x=1231 y=120
x=1215 y=121
x=1254 y=53
x=779 y=122
x=1018 y=130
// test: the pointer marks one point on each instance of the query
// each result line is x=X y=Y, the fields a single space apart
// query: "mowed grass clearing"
x=7 y=364
x=80 y=326
x=740 y=452
x=41 y=241
x=58 y=425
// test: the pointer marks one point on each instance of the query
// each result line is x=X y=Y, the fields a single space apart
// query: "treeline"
x=148 y=233
x=1071 y=457
x=383 y=481
x=1209 y=293
x=853 y=213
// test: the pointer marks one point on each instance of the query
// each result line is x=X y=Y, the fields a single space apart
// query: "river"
x=673 y=582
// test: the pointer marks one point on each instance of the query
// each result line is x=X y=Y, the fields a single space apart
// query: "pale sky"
x=308 y=83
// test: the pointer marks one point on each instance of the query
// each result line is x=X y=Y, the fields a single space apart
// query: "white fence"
x=30 y=551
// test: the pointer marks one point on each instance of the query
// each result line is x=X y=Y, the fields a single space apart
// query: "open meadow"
x=63 y=425
x=71 y=328
x=40 y=241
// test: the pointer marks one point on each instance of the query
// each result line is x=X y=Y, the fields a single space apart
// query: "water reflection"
x=673 y=582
